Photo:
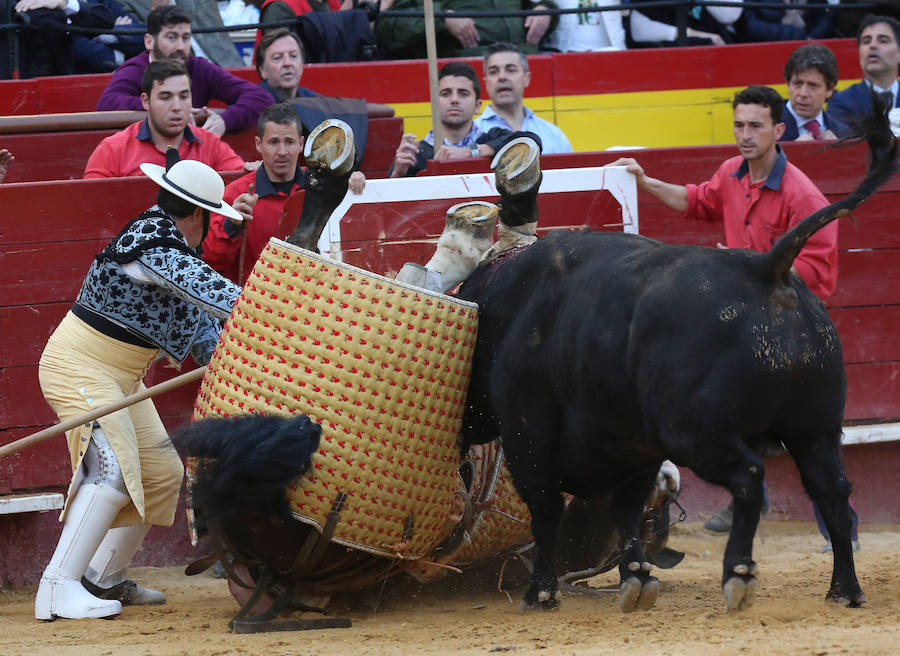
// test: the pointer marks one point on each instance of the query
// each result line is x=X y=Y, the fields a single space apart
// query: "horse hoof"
x=740 y=593
x=330 y=147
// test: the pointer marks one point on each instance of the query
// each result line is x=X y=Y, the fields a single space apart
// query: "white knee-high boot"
x=105 y=576
x=60 y=593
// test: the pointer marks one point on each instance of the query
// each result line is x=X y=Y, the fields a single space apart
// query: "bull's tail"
x=247 y=462
x=875 y=130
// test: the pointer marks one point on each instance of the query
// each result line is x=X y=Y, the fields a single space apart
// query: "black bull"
x=600 y=354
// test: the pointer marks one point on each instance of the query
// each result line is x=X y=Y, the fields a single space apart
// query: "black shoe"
x=721 y=521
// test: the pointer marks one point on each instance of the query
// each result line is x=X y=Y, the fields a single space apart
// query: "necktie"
x=887 y=98
x=813 y=127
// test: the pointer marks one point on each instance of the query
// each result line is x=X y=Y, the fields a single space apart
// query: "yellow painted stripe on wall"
x=651 y=119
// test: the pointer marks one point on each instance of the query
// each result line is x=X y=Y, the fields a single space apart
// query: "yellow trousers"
x=82 y=369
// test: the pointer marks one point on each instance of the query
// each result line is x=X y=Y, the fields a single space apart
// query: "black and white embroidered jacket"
x=179 y=304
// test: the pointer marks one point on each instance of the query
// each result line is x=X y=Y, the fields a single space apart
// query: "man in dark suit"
x=879 y=58
x=811 y=73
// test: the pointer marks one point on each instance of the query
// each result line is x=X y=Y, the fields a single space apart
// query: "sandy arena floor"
x=471 y=617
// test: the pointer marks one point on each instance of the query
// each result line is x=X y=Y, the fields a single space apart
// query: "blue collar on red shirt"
x=264 y=186
x=144 y=133
x=774 y=180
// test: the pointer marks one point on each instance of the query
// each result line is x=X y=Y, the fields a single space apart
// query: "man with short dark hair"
x=459 y=97
x=166 y=96
x=279 y=61
x=811 y=73
x=878 y=41
x=262 y=194
x=759 y=195
x=506 y=76
x=169 y=37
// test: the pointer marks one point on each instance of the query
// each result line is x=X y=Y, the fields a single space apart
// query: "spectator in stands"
x=588 y=32
x=169 y=37
x=46 y=49
x=6 y=158
x=792 y=23
x=656 y=26
x=105 y=52
x=215 y=46
x=506 y=76
x=166 y=97
x=262 y=194
x=404 y=38
x=279 y=61
x=879 y=58
x=271 y=11
x=459 y=97
x=811 y=73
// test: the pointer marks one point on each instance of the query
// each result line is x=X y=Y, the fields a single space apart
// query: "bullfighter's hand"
x=464 y=30
x=6 y=159
x=28 y=5
x=244 y=204
x=405 y=157
x=536 y=26
x=452 y=152
x=214 y=123
x=633 y=167
x=357 y=182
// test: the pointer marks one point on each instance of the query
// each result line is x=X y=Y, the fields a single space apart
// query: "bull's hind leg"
x=638 y=589
x=822 y=472
x=728 y=462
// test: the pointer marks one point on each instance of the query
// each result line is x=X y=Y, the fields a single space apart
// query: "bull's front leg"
x=546 y=513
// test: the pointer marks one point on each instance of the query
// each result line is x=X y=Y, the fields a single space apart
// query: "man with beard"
x=166 y=96
x=459 y=97
x=759 y=195
x=506 y=76
x=169 y=37
x=878 y=41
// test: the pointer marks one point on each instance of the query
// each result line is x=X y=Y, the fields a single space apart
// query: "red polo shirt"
x=756 y=215
x=221 y=250
x=121 y=154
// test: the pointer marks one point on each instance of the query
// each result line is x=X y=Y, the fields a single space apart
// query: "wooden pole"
x=431 y=52
x=63 y=426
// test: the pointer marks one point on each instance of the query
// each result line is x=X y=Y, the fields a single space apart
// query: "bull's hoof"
x=635 y=594
x=855 y=600
x=540 y=600
x=330 y=147
x=740 y=592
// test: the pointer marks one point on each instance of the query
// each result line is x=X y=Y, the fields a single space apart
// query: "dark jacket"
x=791 y=131
x=765 y=24
x=851 y=104
x=404 y=38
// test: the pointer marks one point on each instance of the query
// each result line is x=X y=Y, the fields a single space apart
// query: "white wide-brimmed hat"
x=194 y=182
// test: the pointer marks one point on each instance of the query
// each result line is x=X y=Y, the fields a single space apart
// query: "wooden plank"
x=24 y=405
x=18 y=97
x=867 y=278
x=873 y=392
x=868 y=334
x=46 y=273
x=25 y=330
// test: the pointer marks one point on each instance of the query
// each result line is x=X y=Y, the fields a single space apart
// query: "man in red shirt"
x=758 y=195
x=262 y=194
x=167 y=99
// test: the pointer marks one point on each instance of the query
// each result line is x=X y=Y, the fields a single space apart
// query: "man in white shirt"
x=506 y=76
